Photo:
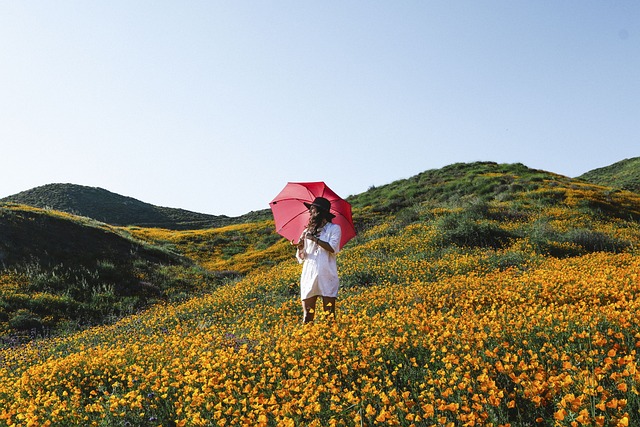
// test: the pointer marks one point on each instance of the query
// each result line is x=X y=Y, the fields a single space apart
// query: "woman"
x=317 y=249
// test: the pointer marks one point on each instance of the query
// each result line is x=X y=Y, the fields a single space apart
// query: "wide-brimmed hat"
x=323 y=204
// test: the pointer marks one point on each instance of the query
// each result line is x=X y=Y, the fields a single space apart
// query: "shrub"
x=25 y=320
x=595 y=241
x=462 y=229
x=359 y=278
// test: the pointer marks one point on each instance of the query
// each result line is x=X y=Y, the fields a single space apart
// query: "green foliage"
x=595 y=241
x=606 y=207
x=471 y=228
x=575 y=241
x=455 y=184
x=362 y=277
x=25 y=320
x=68 y=270
x=60 y=296
x=624 y=174
x=514 y=258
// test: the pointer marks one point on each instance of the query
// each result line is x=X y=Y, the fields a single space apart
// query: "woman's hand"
x=299 y=245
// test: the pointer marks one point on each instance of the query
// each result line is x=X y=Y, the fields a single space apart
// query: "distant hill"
x=473 y=185
x=624 y=174
x=454 y=184
x=111 y=208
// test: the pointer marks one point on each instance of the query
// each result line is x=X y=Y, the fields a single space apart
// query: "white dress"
x=319 y=269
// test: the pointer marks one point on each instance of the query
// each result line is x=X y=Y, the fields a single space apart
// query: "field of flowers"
x=426 y=335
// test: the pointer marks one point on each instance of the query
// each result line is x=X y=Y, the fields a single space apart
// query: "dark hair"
x=315 y=223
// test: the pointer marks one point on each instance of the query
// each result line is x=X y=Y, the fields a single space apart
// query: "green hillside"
x=468 y=185
x=99 y=271
x=479 y=294
x=114 y=209
x=58 y=269
x=624 y=174
x=455 y=184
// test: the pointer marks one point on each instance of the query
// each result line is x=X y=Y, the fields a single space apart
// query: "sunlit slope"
x=624 y=174
x=517 y=305
x=464 y=182
x=236 y=248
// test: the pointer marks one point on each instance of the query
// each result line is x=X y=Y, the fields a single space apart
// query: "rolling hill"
x=464 y=185
x=148 y=254
x=449 y=184
x=624 y=174
x=57 y=268
x=477 y=294
x=52 y=238
x=115 y=209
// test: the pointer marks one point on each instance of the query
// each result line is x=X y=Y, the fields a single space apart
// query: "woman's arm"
x=324 y=245
x=332 y=244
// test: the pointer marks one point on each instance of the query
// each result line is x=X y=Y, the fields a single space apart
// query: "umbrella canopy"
x=292 y=216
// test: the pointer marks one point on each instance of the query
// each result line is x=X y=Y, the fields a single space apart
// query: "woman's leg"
x=329 y=305
x=308 y=309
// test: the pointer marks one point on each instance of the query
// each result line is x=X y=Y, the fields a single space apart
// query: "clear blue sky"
x=212 y=106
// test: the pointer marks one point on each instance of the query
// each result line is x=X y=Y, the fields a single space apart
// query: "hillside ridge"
x=115 y=209
x=624 y=174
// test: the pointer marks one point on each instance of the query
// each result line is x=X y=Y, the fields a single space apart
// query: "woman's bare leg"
x=329 y=305
x=308 y=309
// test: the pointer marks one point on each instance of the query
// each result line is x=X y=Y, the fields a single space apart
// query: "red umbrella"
x=292 y=216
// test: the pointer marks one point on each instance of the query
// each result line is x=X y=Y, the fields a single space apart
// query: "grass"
x=621 y=175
